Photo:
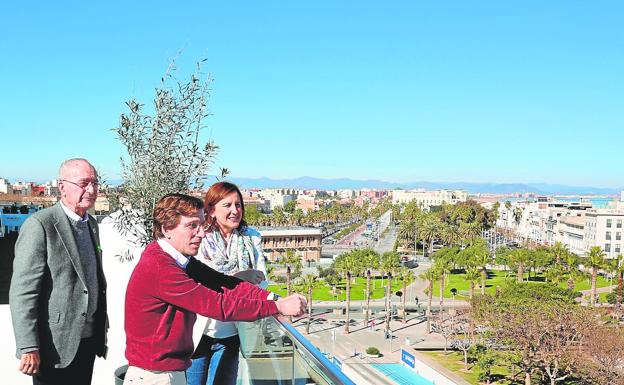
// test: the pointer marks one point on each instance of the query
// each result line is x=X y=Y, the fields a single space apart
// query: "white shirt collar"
x=73 y=215
x=179 y=258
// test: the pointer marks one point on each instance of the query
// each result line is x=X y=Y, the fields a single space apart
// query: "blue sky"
x=482 y=91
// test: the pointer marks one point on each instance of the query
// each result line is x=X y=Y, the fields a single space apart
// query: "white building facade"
x=604 y=228
x=427 y=198
x=575 y=224
x=5 y=187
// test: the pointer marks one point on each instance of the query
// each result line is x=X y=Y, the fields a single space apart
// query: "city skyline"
x=487 y=92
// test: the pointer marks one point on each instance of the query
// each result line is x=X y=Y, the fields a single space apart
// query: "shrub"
x=326 y=272
x=612 y=296
x=372 y=350
x=279 y=279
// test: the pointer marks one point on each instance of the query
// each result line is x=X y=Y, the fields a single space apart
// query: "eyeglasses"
x=195 y=227
x=84 y=184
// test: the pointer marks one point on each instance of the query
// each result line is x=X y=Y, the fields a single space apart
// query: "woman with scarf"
x=233 y=248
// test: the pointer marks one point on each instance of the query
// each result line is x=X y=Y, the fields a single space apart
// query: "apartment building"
x=372 y=194
x=604 y=228
x=346 y=193
x=427 y=198
x=278 y=197
x=5 y=187
x=572 y=233
x=307 y=203
x=23 y=188
x=575 y=224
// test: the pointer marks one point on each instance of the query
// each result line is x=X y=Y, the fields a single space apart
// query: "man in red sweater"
x=168 y=287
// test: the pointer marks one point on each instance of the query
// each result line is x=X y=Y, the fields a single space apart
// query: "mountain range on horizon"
x=307 y=182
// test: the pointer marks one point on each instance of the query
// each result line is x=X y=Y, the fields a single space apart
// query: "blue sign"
x=13 y=222
x=338 y=362
x=408 y=358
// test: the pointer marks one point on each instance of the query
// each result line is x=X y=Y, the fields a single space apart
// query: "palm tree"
x=520 y=258
x=406 y=233
x=618 y=268
x=472 y=276
x=559 y=251
x=430 y=276
x=290 y=260
x=390 y=262
x=388 y=302
x=348 y=303
x=595 y=261
x=307 y=284
x=364 y=259
x=443 y=266
x=332 y=281
x=369 y=261
x=346 y=264
x=470 y=231
x=555 y=274
x=406 y=276
x=481 y=259
x=429 y=231
x=296 y=218
x=449 y=234
x=278 y=218
x=368 y=292
x=572 y=270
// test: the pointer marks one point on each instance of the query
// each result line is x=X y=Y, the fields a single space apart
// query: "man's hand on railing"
x=293 y=305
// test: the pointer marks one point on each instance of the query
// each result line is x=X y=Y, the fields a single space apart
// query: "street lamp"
x=453 y=293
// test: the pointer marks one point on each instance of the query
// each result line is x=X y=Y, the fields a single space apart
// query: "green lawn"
x=500 y=278
x=585 y=283
x=323 y=292
x=455 y=362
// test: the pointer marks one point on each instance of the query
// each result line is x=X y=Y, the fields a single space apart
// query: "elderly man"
x=168 y=287
x=58 y=291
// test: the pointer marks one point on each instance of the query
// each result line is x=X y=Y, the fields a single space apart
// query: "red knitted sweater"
x=161 y=305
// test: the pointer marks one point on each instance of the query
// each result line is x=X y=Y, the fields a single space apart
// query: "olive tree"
x=165 y=153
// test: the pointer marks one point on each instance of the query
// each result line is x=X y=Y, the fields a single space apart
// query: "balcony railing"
x=276 y=353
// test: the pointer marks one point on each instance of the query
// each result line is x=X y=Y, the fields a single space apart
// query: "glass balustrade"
x=274 y=352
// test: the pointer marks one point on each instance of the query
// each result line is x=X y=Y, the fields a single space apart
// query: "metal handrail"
x=333 y=372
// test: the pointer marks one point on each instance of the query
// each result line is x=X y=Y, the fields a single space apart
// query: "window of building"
x=618 y=224
x=608 y=236
x=617 y=248
x=609 y=223
x=618 y=236
x=607 y=247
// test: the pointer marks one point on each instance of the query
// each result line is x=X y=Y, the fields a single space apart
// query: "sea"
x=597 y=202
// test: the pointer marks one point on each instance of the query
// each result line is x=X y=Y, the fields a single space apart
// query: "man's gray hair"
x=67 y=163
